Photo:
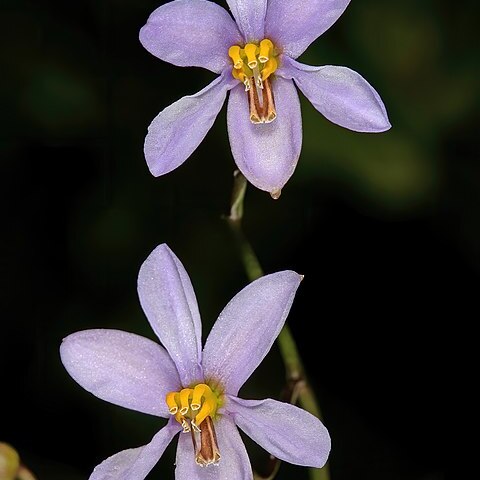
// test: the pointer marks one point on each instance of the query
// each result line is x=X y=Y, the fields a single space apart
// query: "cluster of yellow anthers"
x=191 y=406
x=253 y=62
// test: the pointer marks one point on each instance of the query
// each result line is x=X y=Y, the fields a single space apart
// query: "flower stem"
x=297 y=387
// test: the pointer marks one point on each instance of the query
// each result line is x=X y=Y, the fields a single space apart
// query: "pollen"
x=253 y=65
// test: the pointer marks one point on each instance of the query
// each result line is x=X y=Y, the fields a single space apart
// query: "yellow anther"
x=184 y=396
x=198 y=392
x=253 y=65
x=266 y=50
x=191 y=406
x=172 y=404
x=209 y=407
x=183 y=422
x=239 y=75
x=269 y=68
x=251 y=52
x=234 y=54
x=195 y=409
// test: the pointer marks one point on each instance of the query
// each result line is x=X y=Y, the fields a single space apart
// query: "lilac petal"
x=169 y=302
x=266 y=153
x=176 y=132
x=247 y=328
x=191 y=33
x=286 y=431
x=341 y=95
x=136 y=463
x=294 y=24
x=121 y=368
x=250 y=17
x=234 y=462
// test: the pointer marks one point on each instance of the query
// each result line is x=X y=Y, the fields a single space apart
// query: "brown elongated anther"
x=261 y=103
x=208 y=454
x=254 y=104
x=269 y=104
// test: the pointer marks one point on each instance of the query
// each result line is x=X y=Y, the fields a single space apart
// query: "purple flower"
x=196 y=389
x=255 y=59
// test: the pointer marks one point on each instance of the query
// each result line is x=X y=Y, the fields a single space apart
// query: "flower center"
x=252 y=65
x=194 y=408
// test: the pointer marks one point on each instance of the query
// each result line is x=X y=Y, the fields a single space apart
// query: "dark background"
x=384 y=227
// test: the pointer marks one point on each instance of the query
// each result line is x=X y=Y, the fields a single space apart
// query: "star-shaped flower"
x=255 y=59
x=196 y=389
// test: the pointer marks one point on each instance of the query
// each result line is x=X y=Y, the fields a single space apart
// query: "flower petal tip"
x=378 y=121
x=154 y=171
x=388 y=126
x=162 y=249
x=290 y=276
x=154 y=166
x=157 y=163
x=68 y=343
x=275 y=194
x=381 y=125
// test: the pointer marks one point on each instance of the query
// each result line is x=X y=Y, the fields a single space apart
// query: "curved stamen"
x=183 y=422
x=239 y=75
x=208 y=409
x=184 y=396
x=266 y=49
x=171 y=400
x=269 y=68
x=192 y=406
x=198 y=392
x=251 y=52
x=234 y=54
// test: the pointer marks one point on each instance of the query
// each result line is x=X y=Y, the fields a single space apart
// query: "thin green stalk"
x=298 y=387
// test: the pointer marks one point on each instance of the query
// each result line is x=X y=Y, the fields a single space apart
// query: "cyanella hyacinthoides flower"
x=196 y=389
x=255 y=58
